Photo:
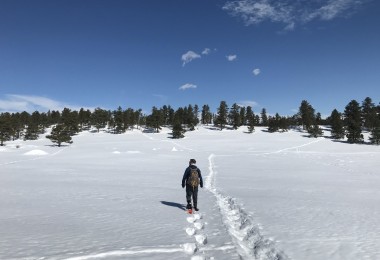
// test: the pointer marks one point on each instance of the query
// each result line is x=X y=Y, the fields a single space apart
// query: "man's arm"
x=184 y=178
x=200 y=178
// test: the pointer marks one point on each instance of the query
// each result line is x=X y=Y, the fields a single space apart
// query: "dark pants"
x=192 y=192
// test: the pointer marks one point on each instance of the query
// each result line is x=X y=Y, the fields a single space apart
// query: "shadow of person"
x=174 y=204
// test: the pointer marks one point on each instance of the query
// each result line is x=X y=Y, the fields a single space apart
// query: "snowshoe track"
x=250 y=244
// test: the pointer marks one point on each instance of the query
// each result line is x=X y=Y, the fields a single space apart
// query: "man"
x=191 y=179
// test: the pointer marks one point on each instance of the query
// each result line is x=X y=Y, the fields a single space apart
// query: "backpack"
x=194 y=178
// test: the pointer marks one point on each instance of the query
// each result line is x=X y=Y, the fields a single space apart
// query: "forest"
x=350 y=123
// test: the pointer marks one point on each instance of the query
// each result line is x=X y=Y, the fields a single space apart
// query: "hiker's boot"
x=188 y=206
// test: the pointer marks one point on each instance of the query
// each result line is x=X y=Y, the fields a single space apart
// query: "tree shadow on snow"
x=174 y=204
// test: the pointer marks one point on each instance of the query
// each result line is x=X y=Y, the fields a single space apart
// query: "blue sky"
x=143 y=53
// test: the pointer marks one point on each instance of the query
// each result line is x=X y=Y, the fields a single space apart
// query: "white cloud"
x=290 y=12
x=206 y=51
x=189 y=56
x=256 y=72
x=247 y=103
x=187 y=86
x=20 y=103
x=333 y=9
x=231 y=57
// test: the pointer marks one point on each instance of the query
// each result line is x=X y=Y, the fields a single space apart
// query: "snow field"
x=119 y=197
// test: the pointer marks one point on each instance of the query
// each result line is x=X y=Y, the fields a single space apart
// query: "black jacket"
x=186 y=175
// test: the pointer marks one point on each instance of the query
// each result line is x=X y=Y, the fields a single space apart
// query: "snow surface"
x=266 y=196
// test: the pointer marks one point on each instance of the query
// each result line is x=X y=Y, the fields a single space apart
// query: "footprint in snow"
x=198 y=257
x=190 y=231
x=191 y=219
x=201 y=239
x=198 y=225
x=190 y=248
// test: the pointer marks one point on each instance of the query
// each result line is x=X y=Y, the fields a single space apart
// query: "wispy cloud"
x=247 y=103
x=206 y=51
x=20 y=103
x=256 y=72
x=290 y=12
x=189 y=56
x=187 y=86
x=231 y=57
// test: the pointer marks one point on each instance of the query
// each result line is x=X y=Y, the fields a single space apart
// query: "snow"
x=36 y=152
x=266 y=196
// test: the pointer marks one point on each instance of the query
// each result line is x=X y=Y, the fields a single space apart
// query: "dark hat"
x=193 y=161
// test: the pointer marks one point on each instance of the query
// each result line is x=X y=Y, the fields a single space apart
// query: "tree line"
x=351 y=123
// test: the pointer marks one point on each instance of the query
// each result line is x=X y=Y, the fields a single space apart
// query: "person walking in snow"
x=191 y=179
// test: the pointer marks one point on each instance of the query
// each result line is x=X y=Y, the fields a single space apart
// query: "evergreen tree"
x=257 y=120
x=274 y=123
x=118 y=121
x=306 y=112
x=99 y=118
x=264 y=117
x=196 y=115
x=191 y=118
x=315 y=131
x=155 y=120
x=375 y=132
x=32 y=131
x=178 y=131
x=352 y=115
x=284 y=124
x=84 y=118
x=55 y=117
x=206 y=115
x=337 y=127
x=70 y=120
x=234 y=116
x=221 y=117
x=5 y=128
x=369 y=113
x=16 y=126
x=243 y=116
x=60 y=134
x=250 y=119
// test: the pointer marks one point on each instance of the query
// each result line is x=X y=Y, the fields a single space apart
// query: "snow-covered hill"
x=266 y=196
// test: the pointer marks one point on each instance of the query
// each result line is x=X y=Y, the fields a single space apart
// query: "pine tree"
x=234 y=116
x=250 y=119
x=306 y=112
x=337 y=127
x=369 y=115
x=99 y=118
x=264 y=117
x=178 y=131
x=32 y=131
x=118 y=121
x=221 y=117
x=70 y=120
x=206 y=115
x=352 y=115
x=5 y=128
x=84 y=118
x=284 y=124
x=375 y=132
x=243 y=116
x=60 y=134
x=315 y=131
x=155 y=120
x=274 y=123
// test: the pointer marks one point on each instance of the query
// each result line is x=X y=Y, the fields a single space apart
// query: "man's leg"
x=195 y=197
x=189 y=193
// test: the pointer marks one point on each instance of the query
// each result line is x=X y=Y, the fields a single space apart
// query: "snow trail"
x=250 y=244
